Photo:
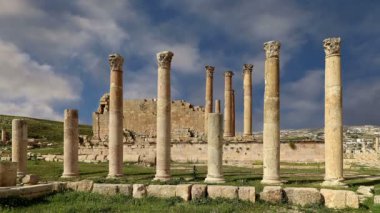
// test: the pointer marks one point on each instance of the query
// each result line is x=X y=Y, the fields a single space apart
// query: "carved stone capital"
x=247 y=68
x=209 y=70
x=332 y=46
x=272 y=49
x=164 y=59
x=116 y=61
x=228 y=74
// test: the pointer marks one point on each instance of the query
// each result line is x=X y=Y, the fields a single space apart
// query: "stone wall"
x=233 y=153
x=140 y=117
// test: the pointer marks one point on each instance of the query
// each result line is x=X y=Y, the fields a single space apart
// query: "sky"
x=53 y=54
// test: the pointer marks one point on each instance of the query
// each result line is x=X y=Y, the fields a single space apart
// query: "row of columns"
x=271 y=128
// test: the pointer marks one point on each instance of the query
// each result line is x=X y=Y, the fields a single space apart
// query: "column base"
x=334 y=183
x=210 y=179
x=271 y=182
x=70 y=175
x=163 y=178
x=116 y=176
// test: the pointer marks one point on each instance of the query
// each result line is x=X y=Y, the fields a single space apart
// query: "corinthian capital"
x=332 y=46
x=247 y=68
x=209 y=70
x=228 y=74
x=116 y=61
x=164 y=59
x=272 y=49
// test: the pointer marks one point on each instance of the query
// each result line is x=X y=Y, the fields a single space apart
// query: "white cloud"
x=32 y=89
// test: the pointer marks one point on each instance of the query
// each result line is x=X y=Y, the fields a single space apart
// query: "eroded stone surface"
x=272 y=194
x=247 y=193
x=139 y=190
x=198 y=191
x=303 y=196
x=105 y=189
x=126 y=189
x=339 y=199
x=30 y=179
x=164 y=191
x=183 y=191
x=230 y=192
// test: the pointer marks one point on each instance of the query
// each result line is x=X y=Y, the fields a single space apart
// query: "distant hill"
x=40 y=128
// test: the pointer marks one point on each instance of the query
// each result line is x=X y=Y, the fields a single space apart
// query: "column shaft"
x=3 y=136
x=333 y=113
x=217 y=106
x=19 y=145
x=209 y=93
x=115 y=125
x=163 y=116
x=233 y=111
x=215 y=149
x=228 y=104
x=271 y=130
x=70 y=142
x=247 y=86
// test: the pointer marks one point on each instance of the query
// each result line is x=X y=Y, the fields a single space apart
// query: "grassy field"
x=39 y=128
x=297 y=175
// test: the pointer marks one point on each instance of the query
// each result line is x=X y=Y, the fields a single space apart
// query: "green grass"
x=39 y=128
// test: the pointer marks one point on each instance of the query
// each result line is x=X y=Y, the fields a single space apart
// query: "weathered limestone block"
x=125 y=189
x=376 y=199
x=35 y=191
x=164 y=191
x=59 y=186
x=272 y=194
x=9 y=192
x=8 y=173
x=198 y=191
x=303 y=196
x=247 y=193
x=139 y=190
x=367 y=191
x=131 y=158
x=82 y=186
x=230 y=192
x=183 y=191
x=105 y=189
x=30 y=179
x=340 y=199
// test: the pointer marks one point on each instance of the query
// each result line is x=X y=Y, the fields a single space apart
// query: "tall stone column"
x=115 y=123
x=228 y=103
x=209 y=91
x=271 y=130
x=217 y=106
x=19 y=145
x=70 y=143
x=247 y=86
x=233 y=111
x=333 y=113
x=163 y=116
x=215 y=149
x=376 y=144
x=3 y=136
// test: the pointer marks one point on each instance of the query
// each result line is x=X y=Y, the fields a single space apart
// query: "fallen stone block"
x=230 y=192
x=139 y=190
x=303 y=196
x=30 y=179
x=272 y=194
x=198 y=191
x=367 y=191
x=340 y=199
x=105 y=189
x=125 y=189
x=183 y=191
x=376 y=199
x=164 y=191
x=247 y=193
x=35 y=191
x=59 y=186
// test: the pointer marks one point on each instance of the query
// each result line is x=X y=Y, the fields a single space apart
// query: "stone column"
x=377 y=144
x=115 y=124
x=163 y=116
x=19 y=145
x=333 y=113
x=247 y=86
x=70 y=143
x=215 y=149
x=217 y=106
x=233 y=122
x=271 y=130
x=3 y=136
x=209 y=91
x=228 y=103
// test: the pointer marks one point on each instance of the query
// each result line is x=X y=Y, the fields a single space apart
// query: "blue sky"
x=53 y=54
